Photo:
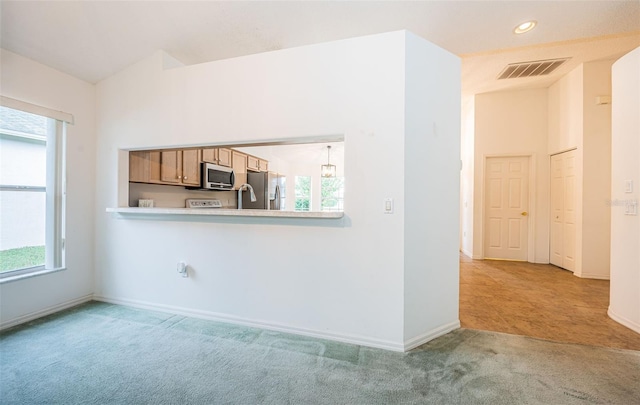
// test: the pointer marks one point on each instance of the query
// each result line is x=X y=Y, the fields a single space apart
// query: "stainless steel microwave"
x=215 y=177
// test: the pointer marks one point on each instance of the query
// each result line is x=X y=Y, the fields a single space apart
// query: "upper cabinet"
x=139 y=166
x=256 y=164
x=224 y=157
x=219 y=156
x=264 y=165
x=253 y=163
x=191 y=160
x=181 y=167
x=144 y=166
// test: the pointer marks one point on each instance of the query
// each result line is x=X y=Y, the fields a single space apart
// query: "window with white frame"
x=31 y=193
x=302 y=193
x=332 y=194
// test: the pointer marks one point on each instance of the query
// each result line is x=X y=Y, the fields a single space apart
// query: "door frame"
x=531 y=245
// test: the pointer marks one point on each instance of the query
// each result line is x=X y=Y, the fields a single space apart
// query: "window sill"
x=8 y=278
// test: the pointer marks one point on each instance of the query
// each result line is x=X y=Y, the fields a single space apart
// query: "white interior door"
x=506 y=223
x=562 y=238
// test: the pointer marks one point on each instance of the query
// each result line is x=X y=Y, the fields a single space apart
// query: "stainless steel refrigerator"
x=270 y=190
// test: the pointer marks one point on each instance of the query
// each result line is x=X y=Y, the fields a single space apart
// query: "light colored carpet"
x=108 y=354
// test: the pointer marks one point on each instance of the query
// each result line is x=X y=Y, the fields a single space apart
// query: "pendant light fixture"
x=328 y=170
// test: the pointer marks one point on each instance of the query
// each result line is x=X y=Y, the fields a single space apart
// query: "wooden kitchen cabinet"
x=219 y=156
x=191 y=166
x=253 y=163
x=171 y=166
x=210 y=155
x=139 y=166
x=239 y=162
x=256 y=164
x=180 y=166
x=144 y=166
x=224 y=157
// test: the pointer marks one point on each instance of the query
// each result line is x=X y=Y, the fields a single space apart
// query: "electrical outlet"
x=182 y=269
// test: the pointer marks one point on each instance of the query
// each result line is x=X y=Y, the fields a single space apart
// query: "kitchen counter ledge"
x=134 y=211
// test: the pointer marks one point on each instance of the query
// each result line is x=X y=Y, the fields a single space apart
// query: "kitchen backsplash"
x=174 y=197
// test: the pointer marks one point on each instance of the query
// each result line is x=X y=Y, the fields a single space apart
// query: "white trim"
x=21 y=274
x=634 y=326
x=261 y=324
x=467 y=253
x=592 y=276
x=35 y=109
x=430 y=335
x=563 y=151
x=44 y=312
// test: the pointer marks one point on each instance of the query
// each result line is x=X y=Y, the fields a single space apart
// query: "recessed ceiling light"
x=525 y=27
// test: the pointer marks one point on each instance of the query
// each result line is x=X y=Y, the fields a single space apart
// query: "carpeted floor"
x=107 y=354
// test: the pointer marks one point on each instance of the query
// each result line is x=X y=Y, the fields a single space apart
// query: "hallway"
x=541 y=301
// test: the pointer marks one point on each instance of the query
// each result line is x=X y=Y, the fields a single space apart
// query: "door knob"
x=524 y=213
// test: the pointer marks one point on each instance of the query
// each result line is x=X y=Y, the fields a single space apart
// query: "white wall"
x=340 y=279
x=26 y=80
x=466 y=176
x=596 y=171
x=432 y=190
x=514 y=123
x=624 y=304
x=565 y=112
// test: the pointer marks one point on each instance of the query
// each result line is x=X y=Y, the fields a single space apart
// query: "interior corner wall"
x=514 y=123
x=26 y=80
x=596 y=171
x=624 y=298
x=337 y=279
x=432 y=191
x=466 y=175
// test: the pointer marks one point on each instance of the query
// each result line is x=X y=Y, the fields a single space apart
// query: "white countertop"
x=223 y=212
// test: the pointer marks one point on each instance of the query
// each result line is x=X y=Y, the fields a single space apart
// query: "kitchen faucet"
x=242 y=188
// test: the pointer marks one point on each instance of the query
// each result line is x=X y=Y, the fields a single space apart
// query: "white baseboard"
x=634 y=326
x=44 y=312
x=214 y=316
x=467 y=253
x=430 y=335
x=592 y=276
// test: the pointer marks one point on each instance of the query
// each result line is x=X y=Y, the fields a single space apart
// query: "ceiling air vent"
x=530 y=69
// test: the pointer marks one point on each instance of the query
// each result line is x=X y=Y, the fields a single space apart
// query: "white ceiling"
x=94 y=39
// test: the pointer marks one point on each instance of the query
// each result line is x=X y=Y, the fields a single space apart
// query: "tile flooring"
x=539 y=300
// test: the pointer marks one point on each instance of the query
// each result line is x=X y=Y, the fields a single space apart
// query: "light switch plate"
x=388 y=206
x=628 y=186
